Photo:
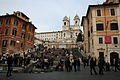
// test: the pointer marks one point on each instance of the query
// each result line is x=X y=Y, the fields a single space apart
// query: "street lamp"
x=18 y=43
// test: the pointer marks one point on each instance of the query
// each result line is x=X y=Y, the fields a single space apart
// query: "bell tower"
x=77 y=20
x=66 y=23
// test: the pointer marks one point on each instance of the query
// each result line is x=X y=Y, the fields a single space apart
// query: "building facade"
x=65 y=38
x=16 y=33
x=101 y=27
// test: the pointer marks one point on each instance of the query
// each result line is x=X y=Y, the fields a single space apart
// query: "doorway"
x=113 y=56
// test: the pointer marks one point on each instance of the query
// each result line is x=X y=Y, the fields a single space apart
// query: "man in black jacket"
x=101 y=63
x=116 y=65
x=9 y=62
x=92 y=65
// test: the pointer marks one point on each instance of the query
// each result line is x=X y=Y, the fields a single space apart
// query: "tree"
x=79 y=38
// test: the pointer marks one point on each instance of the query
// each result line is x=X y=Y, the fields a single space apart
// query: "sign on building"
x=108 y=39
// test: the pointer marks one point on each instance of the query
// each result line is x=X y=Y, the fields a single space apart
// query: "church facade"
x=62 y=39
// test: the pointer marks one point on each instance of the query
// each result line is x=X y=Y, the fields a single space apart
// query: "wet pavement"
x=84 y=74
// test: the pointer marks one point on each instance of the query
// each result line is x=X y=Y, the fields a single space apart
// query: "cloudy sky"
x=47 y=15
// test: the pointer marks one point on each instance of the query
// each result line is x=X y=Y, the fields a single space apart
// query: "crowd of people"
x=61 y=61
x=73 y=63
x=16 y=60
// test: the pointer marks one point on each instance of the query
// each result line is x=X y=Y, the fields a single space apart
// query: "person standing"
x=71 y=64
x=107 y=64
x=101 y=65
x=78 y=64
x=84 y=62
x=9 y=62
x=67 y=64
x=116 y=65
x=92 y=65
x=75 y=64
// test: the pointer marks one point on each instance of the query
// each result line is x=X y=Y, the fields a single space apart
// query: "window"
x=4 y=43
x=12 y=43
x=21 y=44
x=114 y=26
x=98 y=12
x=64 y=34
x=23 y=36
x=28 y=36
x=76 y=22
x=64 y=23
x=14 y=32
x=6 y=31
x=99 y=27
x=101 y=40
x=71 y=36
x=91 y=29
x=112 y=11
x=8 y=21
x=115 y=40
x=0 y=21
x=24 y=26
x=15 y=22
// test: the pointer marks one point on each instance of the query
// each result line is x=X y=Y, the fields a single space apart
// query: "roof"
x=12 y=15
x=22 y=14
x=76 y=17
x=100 y=5
x=65 y=18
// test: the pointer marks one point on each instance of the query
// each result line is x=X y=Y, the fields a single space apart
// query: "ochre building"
x=101 y=27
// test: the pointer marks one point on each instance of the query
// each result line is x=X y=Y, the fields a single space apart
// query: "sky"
x=47 y=15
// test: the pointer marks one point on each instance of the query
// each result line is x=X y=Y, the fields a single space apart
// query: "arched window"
x=76 y=22
x=64 y=23
x=64 y=34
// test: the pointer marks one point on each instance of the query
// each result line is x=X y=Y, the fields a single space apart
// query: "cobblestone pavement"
x=82 y=75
